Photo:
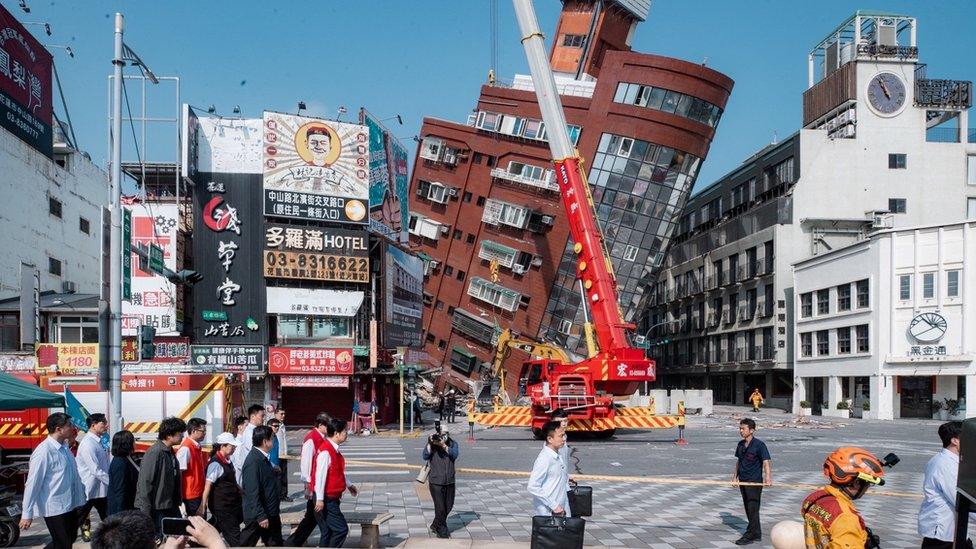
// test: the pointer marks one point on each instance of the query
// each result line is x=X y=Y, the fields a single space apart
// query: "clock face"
x=886 y=93
x=928 y=327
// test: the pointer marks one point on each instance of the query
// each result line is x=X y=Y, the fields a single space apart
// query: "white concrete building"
x=50 y=217
x=881 y=146
x=889 y=321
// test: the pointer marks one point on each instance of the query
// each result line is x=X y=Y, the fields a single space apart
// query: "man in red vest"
x=329 y=479
x=193 y=465
x=310 y=450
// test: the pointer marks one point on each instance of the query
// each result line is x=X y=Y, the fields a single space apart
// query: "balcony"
x=549 y=185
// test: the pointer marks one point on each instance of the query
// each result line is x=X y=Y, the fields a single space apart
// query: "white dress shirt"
x=183 y=455
x=549 y=483
x=53 y=486
x=322 y=463
x=937 y=516
x=243 y=449
x=93 y=464
x=308 y=454
x=282 y=441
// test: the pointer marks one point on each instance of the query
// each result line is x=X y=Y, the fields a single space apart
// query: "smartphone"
x=175 y=526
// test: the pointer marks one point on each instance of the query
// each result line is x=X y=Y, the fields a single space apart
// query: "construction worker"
x=756 y=398
x=830 y=520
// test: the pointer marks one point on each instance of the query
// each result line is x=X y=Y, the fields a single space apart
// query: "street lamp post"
x=115 y=242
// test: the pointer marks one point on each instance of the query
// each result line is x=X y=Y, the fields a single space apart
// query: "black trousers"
x=270 y=536
x=63 y=529
x=443 y=496
x=192 y=506
x=228 y=523
x=283 y=463
x=932 y=543
x=305 y=527
x=751 y=499
x=99 y=504
x=333 y=524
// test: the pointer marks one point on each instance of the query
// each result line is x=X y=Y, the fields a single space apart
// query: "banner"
x=229 y=358
x=25 y=85
x=67 y=358
x=316 y=253
x=300 y=301
x=388 y=181
x=315 y=169
x=315 y=381
x=229 y=301
x=153 y=301
x=399 y=203
x=310 y=360
x=403 y=300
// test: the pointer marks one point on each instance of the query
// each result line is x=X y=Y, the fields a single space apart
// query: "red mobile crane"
x=613 y=367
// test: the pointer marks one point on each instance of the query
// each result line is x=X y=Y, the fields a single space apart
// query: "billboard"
x=67 y=358
x=310 y=360
x=228 y=303
x=25 y=85
x=388 y=181
x=153 y=299
x=212 y=144
x=315 y=253
x=315 y=169
x=228 y=358
x=403 y=299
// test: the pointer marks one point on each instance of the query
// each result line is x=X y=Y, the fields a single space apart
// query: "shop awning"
x=424 y=256
x=20 y=395
x=463 y=352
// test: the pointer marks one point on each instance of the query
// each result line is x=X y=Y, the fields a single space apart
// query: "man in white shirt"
x=255 y=418
x=310 y=450
x=93 y=464
x=549 y=481
x=937 y=516
x=330 y=481
x=283 y=453
x=53 y=489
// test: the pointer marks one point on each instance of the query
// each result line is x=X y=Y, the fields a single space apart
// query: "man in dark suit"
x=262 y=518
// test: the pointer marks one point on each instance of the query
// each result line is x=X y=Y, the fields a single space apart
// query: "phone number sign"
x=320 y=361
x=310 y=266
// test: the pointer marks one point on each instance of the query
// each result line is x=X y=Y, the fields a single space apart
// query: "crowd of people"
x=239 y=486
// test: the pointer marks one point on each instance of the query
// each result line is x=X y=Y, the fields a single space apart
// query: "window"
x=971 y=169
x=462 y=360
x=630 y=254
x=844 y=297
x=293 y=328
x=498 y=212
x=460 y=275
x=574 y=40
x=823 y=342
x=76 y=329
x=467 y=195
x=477 y=158
x=897 y=205
x=457 y=234
x=952 y=283
x=806 y=305
x=490 y=161
x=862 y=338
x=823 y=301
x=469 y=239
x=84 y=225
x=905 y=287
x=439 y=305
x=844 y=341
x=9 y=332
x=430 y=338
x=863 y=298
x=448 y=271
x=495 y=294
x=441 y=344
x=424 y=227
x=897 y=161
x=437 y=193
x=480 y=201
x=54 y=266
x=971 y=208
x=928 y=285
x=54 y=206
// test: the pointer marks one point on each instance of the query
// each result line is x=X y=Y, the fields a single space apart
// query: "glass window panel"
x=627 y=184
x=619 y=164
x=664 y=159
x=632 y=168
x=671 y=100
x=631 y=94
x=639 y=149
x=621 y=91
x=928 y=285
x=657 y=98
x=952 y=284
x=604 y=142
x=640 y=187
x=89 y=335
x=683 y=105
x=905 y=287
x=70 y=335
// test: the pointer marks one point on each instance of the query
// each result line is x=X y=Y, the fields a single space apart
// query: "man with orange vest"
x=193 y=465
x=310 y=449
x=329 y=480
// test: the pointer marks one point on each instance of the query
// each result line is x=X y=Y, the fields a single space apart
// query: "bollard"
x=470 y=431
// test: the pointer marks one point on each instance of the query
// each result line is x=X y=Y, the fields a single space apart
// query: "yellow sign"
x=67 y=358
x=312 y=266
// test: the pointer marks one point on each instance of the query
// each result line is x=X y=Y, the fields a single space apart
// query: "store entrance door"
x=916 y=397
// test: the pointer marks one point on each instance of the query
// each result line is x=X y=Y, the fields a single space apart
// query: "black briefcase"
x=581 y=501
x=557 y=532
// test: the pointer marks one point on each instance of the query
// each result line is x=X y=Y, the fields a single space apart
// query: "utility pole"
x=115 y=261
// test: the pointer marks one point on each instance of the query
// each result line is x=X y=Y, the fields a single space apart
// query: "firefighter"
x=830 y=520
x=756 y=399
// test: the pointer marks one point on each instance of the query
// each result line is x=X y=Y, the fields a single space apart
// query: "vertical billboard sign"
x=228 y=302
x=388 y=181
x=401 y=186
x=25 y=85
x=153 y=299
x=403 y=307
x=315 y=169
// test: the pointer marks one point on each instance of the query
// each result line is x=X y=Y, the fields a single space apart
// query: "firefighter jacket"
x=830 y=521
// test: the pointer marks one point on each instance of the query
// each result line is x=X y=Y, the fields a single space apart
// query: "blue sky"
x=424 y=58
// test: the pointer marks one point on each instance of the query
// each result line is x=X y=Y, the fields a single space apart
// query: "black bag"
x=581 y=501
x=557 y=532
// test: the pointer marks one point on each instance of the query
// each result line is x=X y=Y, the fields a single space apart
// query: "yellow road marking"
x=643 y=480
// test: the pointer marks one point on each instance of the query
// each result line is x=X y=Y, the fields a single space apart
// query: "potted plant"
x=938 y=411
x=866 y=410
x=806 y=408
x=952 y=407
x=843 y=409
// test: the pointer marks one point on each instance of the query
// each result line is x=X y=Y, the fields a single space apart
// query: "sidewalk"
x=420 y=543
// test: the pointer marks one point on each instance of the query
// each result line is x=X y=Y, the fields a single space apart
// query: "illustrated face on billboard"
x=318 y=148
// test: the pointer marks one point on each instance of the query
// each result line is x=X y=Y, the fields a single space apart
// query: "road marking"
x=643 y=480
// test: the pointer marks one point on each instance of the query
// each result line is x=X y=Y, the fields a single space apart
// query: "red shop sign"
x=310 y=361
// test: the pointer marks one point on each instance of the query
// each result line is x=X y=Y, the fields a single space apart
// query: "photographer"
x=441 y=451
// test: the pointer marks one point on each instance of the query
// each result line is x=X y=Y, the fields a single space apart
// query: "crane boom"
x=593 y=267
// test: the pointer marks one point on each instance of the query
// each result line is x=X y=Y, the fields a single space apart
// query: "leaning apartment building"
x=485 y=209
x=882 y=146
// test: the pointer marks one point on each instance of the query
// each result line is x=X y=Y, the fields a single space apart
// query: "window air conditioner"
x=452 y=191
x=547 y=219
x=537 y=262
x=434 y=265
x=518 y=269
x=445 y=229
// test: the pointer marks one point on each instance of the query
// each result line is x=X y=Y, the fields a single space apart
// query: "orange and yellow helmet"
x=847 y=464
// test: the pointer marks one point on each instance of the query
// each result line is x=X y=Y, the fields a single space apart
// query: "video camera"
x=439 y=435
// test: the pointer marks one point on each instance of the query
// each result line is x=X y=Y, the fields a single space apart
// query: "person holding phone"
x=221 y=494
x=262 y=516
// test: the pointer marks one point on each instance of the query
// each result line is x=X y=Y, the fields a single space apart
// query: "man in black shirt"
x=752 y=466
